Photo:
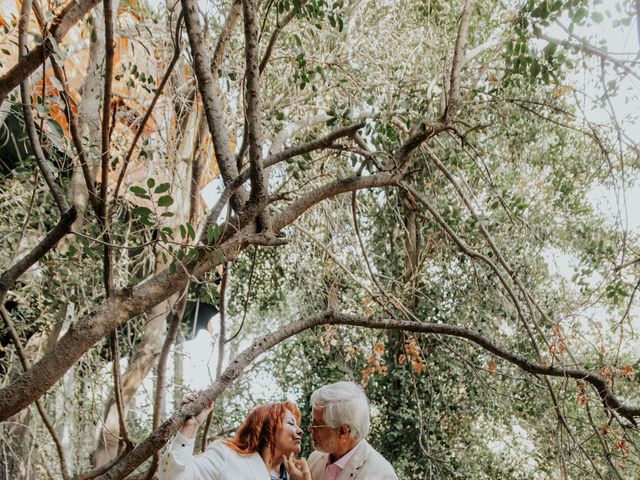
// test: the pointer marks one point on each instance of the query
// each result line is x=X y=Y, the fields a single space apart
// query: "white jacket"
x=217 y=462
x=366 y=464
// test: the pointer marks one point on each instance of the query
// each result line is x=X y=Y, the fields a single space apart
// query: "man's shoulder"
x=376 y=463
x=316 y=456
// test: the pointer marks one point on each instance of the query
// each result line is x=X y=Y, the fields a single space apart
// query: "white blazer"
x=366 y=464
x=217 y=462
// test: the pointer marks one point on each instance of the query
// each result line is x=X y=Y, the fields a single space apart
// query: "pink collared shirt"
x=333 y=470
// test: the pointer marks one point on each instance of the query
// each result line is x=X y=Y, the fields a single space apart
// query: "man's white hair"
x=344 y=403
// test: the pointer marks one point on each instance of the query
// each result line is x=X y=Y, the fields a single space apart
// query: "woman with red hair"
x=269 y=434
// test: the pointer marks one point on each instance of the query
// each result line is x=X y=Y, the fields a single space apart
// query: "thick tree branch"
x=211 y=102
x=162 y=435
x=253 y=103
x=274 y=159
x=458 y=60
x=67 y=18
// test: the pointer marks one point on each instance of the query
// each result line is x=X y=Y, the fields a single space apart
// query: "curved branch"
x=67 y=18
x=329 y=317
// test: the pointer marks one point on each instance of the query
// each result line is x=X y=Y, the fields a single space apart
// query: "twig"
x=75 y=136
x=245 y=308
x=159 y=398
x=106 y=140
x=221 y=345
x=117 y=392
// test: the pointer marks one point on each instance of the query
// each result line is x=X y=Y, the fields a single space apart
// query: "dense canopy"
x=435 y=199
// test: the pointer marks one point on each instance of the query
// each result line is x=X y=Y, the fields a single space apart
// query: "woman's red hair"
x=260 y=428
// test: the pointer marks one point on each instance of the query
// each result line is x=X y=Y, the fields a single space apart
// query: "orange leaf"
x=491 y=367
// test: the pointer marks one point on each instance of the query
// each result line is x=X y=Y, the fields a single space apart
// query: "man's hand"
x=297 y=468
x=190 y=427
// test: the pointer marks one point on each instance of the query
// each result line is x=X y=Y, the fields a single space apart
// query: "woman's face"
x=289 y=436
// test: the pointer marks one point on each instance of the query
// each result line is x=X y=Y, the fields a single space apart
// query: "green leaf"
x=183 y=231
x=165 y=201
x=597 y=17
x=151 y=182
x=94 y=35
x=55 y=128
x=163 y=187
x=167 y=214
x=213 y=233
x=550 y=49
x=535 y=68
x=138 y=191
x=141 y=211
x=192 y=232
x=580 y=14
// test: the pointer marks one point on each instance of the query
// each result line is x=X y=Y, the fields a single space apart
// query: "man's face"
x=324 y=438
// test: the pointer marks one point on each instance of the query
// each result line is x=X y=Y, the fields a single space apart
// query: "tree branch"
x=458 y=59
x=329 y=317
x=274 y=159
x=211 y=103
x=253 y=104
x=67 y=18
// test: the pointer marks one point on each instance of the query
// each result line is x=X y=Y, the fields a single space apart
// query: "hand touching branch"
x=190 y=427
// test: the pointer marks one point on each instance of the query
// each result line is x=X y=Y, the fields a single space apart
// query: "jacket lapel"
x=256 y=466
x=352 y=469
x=317 y=465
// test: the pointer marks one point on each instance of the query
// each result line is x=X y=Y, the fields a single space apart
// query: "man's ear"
x=344 y=430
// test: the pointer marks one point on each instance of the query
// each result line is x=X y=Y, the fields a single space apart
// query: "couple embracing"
x=265 y=445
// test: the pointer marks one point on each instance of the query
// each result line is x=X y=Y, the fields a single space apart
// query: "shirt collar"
x=342 y=461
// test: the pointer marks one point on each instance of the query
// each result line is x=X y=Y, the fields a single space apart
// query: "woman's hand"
x=297 y=467
x=190 y=427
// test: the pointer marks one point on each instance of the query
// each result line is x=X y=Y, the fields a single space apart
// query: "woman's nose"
x=299 y=431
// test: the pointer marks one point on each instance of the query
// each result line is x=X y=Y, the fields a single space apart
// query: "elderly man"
x=340 y=422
